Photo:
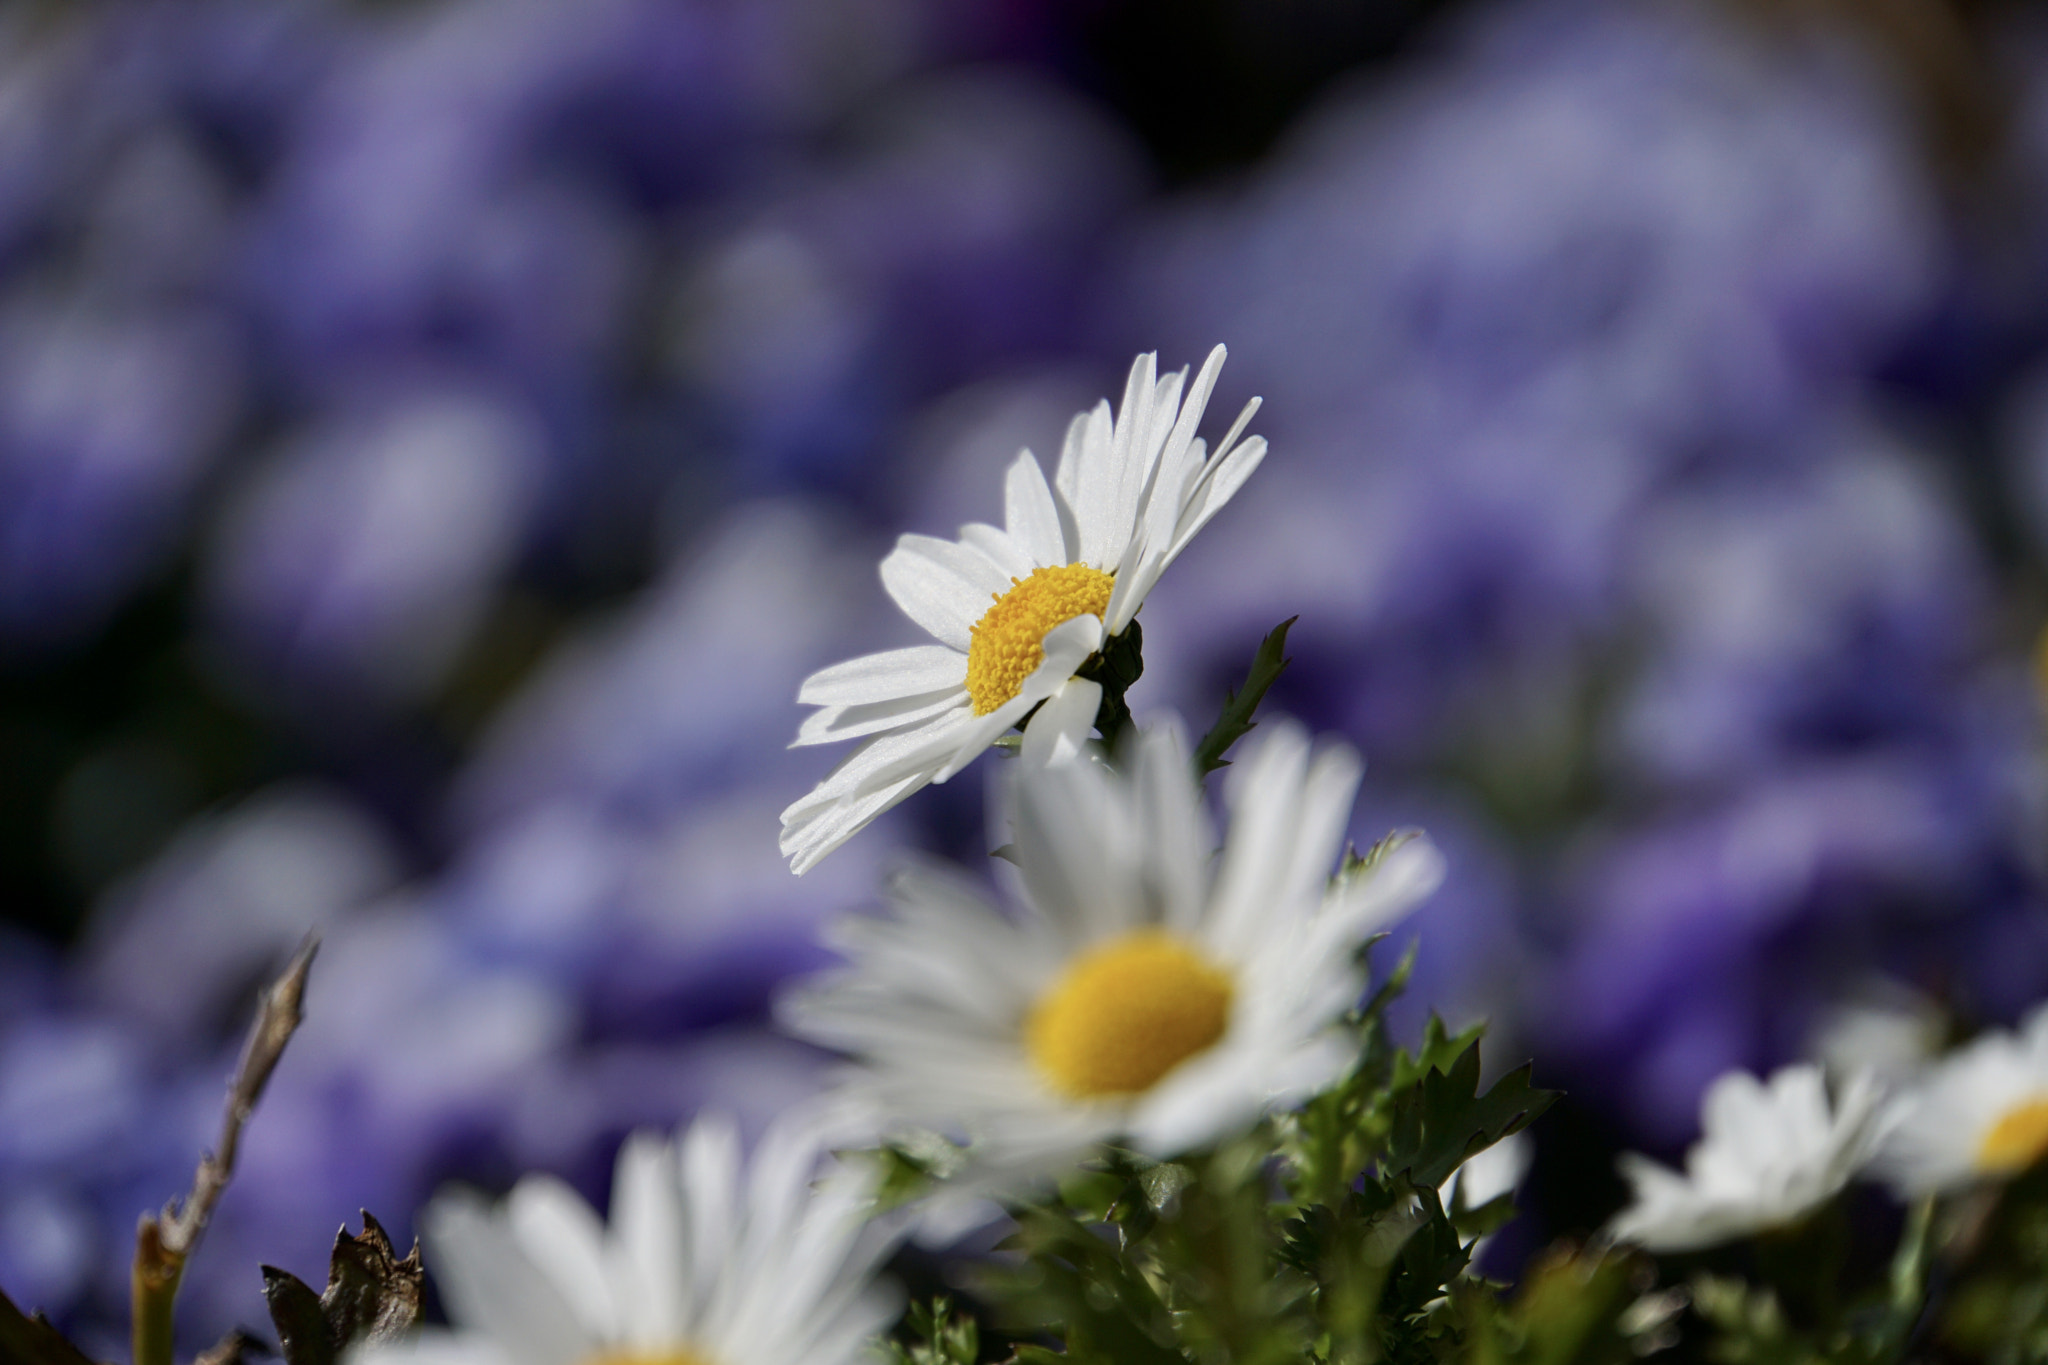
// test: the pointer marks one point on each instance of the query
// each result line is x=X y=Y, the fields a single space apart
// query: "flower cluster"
x=1169 y=1032
x=435 y=440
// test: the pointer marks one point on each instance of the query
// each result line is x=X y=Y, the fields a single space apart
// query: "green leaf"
x=1571 y=1309
x=31 y=1340
x=1236 y=721
x=1440 y=1051
x=938 y=1336
x=1488 y=1218
x=1121 y=663
x=1442 y=1120
x=1078 y=1283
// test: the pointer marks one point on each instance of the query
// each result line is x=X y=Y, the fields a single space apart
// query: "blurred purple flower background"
x=437 y=436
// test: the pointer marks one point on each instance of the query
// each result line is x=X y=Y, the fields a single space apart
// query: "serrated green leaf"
x=1440 y=1051
x=1442 y=1120
x=1238 y=706
x=1488 y=1218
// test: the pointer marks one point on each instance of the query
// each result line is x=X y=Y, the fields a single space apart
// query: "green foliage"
x=1236 y=721
x=1319 y=1237
x=1998 y=1312
x=1121 y=663
x=1441 y=1120
x=937 y=1336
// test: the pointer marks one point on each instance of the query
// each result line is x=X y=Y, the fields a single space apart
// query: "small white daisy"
x=709 y=1260
x=1767 y=1156
x=1147 y=988
x=1979 y=1114
x=1019 y=609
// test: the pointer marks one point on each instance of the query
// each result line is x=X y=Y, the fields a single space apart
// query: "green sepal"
x=1121 y=663
x=1236 y=721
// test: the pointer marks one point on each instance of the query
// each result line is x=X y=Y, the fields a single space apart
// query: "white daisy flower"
x=1767 y=1156
x=1146 y=989
x=1979 y=1114
x=1018 y=609
x=709 y=1260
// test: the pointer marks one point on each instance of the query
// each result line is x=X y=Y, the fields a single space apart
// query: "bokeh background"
x=436 y=436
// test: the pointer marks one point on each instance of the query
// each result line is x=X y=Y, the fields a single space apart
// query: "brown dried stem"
x=165 y=1240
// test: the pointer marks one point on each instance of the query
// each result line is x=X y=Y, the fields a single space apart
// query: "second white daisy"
x=1767 y=1156
x=708 y=1260
x=1147 y=990
x=1018 y=610
x=1980 y=1114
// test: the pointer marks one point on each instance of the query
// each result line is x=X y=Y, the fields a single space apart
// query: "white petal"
x=1405 y=877
x=995 y=545
x=1058 y=731
x=928 y=583
x=562 y=1235
x=710 y=1173
x=1031 y=516
x=880 y=677
x=433 y=1346
x=1172 y=474
x=836 y=723
x=1221 y=480
x=1263 y=791
x=1223 y=1092
x=651 y=1229
x=491 y=1287
x=1086 y=479
x=1140 y=423
x=1176 y=836
x=1077 y=850
x=814 y=832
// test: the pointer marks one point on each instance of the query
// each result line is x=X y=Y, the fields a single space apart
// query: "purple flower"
x=361 y=556
x=1817 y=610
x=107 y=425
x=175 y=950
x=693 y=686
x=1709 y=941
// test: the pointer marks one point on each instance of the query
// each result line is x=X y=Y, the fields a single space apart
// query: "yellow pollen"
x=2017 y=1140
x=1125 y=1013
x=1009 y=640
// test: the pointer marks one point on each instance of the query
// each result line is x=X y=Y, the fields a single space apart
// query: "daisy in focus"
x=1979 y=1114
x=1768 y=1155
x=1018 y=610
x=1147 y=989
x=709 y=1260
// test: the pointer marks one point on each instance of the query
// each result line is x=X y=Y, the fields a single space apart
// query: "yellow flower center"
x=2017 y=1140
x=678 y=1356
x=1125 y=1013
x=1009 y=640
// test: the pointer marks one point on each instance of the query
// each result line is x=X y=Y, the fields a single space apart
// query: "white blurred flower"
x=1888 y=1031
x=1495 y=1171
x=1768 y=1154
x=1019 y=609
x=1979 y=1114
x=708 y=1260
x=1148 y=989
